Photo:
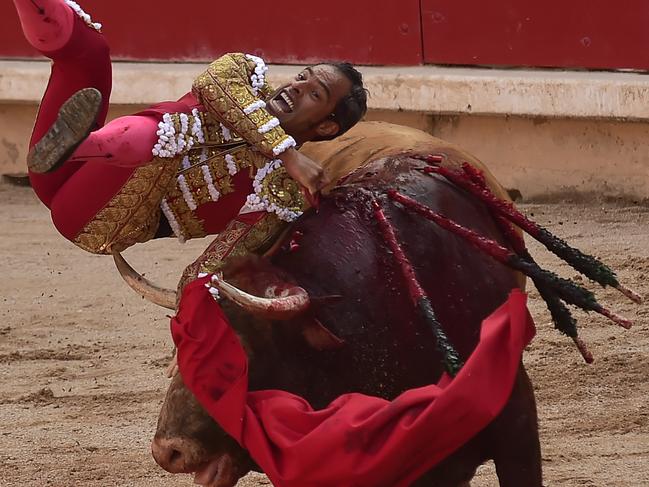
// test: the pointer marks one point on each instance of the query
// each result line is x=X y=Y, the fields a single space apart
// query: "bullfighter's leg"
x=81 y=60
x=514 y=438
x=124 y=142
x=106 y=160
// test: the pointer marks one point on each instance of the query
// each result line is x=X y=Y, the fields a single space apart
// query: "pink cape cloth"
x=357 y=440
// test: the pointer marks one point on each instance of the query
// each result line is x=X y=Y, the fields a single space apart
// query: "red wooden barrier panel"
x=360 y=31
x=598 y=34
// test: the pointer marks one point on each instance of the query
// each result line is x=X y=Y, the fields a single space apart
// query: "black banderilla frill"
x=565 y=289
x=450 y=358
x=472 y=181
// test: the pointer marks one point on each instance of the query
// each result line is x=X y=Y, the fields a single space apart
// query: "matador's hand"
x=304 y=170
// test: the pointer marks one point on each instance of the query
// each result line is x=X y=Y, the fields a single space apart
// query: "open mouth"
x=219 y=472
x=282 y=102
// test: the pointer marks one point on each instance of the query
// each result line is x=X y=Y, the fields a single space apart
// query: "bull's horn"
x=145 y=288
x=286 y=304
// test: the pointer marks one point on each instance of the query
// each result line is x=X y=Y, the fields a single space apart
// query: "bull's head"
x=258 y=297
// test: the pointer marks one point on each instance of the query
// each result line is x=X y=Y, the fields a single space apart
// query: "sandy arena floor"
x=82 y=358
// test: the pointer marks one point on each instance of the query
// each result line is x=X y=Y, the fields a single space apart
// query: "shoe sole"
x=74 y=122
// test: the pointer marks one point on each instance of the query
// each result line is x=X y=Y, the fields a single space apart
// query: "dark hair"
x=351 y=108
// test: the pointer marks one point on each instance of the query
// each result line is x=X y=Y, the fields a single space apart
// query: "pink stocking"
x=80 y=58
x=47 y=24
x=124 y=142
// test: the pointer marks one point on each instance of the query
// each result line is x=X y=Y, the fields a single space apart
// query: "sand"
x=82 y=358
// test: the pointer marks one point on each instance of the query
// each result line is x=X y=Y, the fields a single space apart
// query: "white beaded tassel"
x=227 y=134
x=84 y=16
x=254 y=106
x=166 y=145
x=172 y=142
x=231 y=164
x=171 y=218
x=258 y=78
x=197 y=127
x=285 y=144
x=268 y=126
x=187 y=194
x=207 y=176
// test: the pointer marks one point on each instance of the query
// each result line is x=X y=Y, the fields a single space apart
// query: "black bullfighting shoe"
x=75 y=121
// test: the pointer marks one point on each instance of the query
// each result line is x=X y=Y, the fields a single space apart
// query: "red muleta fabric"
x=357 y=440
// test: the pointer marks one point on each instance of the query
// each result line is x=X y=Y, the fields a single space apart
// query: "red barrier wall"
x=599 y=34
x=596 y=34
x=361 y=31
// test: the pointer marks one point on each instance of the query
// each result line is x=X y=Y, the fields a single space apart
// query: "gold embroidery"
x=281 y=191
x=190 y=225
x=224 y=89
x=237 y=239
x=210 y=154
x=208 y=157
x=213 y=256
x=133 y=214
x=263 y=234
x=224 y=243
x=240 y=239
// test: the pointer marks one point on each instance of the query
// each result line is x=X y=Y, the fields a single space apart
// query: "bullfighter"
x=225 y=150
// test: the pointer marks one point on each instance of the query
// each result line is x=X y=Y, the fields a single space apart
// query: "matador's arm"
x=232 y=88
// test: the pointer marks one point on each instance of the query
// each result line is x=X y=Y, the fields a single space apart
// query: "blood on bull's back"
x=340 y=251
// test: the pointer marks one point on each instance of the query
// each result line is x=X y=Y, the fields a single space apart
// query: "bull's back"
x=341 y=251
x=370 y=141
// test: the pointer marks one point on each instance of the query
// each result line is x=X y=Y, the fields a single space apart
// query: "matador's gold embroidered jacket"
x=215 y=158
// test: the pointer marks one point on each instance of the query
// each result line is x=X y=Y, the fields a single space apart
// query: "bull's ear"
x=319 y=337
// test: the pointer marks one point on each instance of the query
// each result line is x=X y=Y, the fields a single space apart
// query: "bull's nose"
x=170 y=454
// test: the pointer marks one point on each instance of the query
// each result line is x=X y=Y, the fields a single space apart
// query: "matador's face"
x=305 y=106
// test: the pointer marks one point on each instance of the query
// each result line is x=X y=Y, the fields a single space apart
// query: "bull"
x=362 y=332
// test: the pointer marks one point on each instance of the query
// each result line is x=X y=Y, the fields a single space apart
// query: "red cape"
x=357 y=440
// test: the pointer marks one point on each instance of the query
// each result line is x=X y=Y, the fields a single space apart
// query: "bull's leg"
x=457 y=469
x=514 y=438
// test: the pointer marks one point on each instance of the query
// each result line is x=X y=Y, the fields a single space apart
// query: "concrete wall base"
x=542 y=157
x=553 y=145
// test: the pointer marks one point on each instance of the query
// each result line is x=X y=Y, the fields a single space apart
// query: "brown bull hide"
x=370 y=141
